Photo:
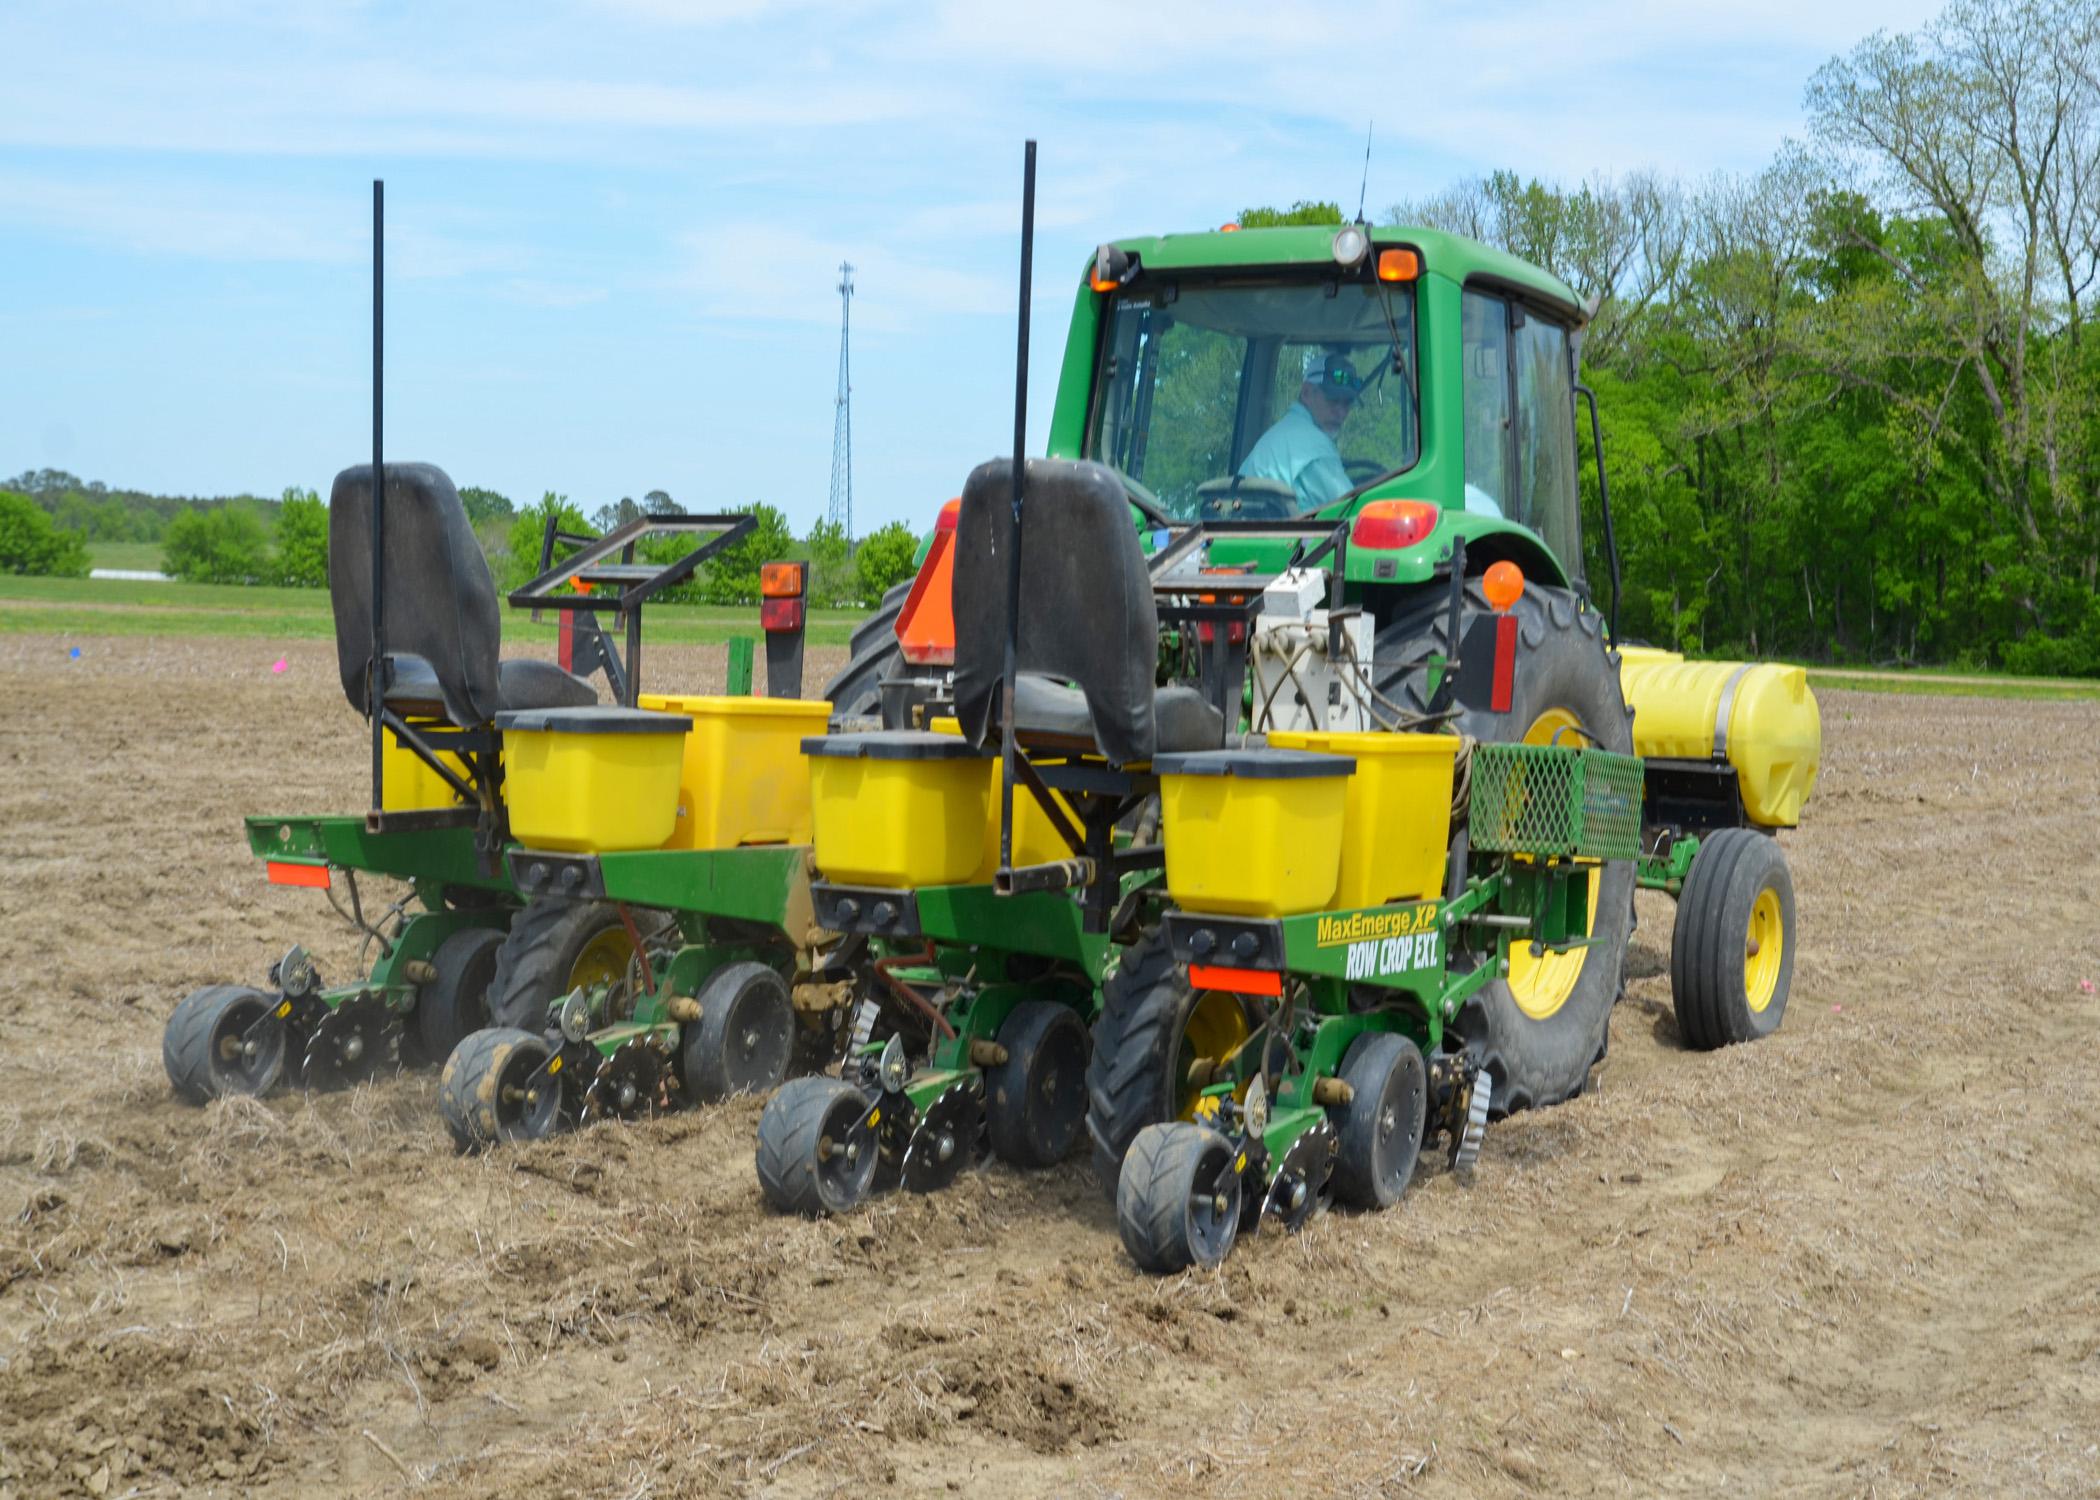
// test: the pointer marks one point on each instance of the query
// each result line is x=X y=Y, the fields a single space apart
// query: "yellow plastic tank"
x=1253 y=833
x=897 y=808
x=1759 y=716
x=744 y=779
x=592 y=780
x=407 y=784
x=1035 y=841
x=1396 y=818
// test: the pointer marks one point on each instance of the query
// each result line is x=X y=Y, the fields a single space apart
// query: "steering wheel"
x=1363 y=470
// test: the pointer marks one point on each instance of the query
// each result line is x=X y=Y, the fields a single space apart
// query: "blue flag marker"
x=74 y=654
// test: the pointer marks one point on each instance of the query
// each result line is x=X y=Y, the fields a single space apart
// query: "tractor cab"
x=1276 y=373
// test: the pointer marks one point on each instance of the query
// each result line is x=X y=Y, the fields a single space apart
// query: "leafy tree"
x=832 y=580
x=1301 y=212
x=30 y=543
x=522 y=564
x=732 y=575
x=884 y=560
x=302 y=540
x=485 y=505
x=225 y=544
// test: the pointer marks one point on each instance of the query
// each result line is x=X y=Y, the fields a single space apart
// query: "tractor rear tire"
x=1379 y=1131
x=1178 y=1202
x=1540 y=1047
x=1134 y=1077
x=1035 y=1101
x=194 y=1046
x=553 y=945
x=873 y=657
x=455 y=1003
x=741 y=1043
x=1726 y=982
x=477 y=1092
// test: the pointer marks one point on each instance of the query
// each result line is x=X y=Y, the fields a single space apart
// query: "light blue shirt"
x=1298 y=453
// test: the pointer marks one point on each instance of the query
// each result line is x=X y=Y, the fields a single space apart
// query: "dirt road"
x=1857 y=1259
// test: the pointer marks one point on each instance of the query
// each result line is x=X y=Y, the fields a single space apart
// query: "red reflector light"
x=776 y=615
x=284 y=872
x=1238 y=981
x=950 y=514
x=1394 y=523
x=780 y=581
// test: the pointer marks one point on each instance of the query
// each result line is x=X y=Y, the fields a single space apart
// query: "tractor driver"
x=1299 y=450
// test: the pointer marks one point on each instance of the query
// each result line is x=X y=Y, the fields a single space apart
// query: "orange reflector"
x=780 y=581
x=1398 y=265
x=1393 y=523
x=1238 y=981
x=1503 y=584
x=1228 y=229
x=285 y=872
x=1102 y=283
x=950 y=514
x=777 y=615
x=580 y=585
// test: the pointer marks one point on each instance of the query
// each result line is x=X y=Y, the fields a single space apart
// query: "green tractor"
x=1347 y=459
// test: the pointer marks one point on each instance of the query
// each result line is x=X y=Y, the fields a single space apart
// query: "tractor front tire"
x=1151 y=1016
x=553 y=946
x=873 y=658
x=1539 y=1030
x=1732 y=950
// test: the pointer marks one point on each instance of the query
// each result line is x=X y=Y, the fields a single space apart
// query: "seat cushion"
x=521 y=683
x=1184 y=719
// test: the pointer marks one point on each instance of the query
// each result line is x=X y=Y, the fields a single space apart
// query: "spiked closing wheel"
x=357 y=1040
x=1300 y=1183
x=632 y=1084
x=945 y=1140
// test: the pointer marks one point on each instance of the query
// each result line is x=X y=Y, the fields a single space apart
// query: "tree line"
x=48 y=517
x=1851 y=406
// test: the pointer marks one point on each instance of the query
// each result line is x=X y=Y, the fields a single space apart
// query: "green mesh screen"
x=1556 y=800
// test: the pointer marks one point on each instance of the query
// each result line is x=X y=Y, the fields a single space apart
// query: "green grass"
x=140 y=557
x=107 y=606
x=1933 y=684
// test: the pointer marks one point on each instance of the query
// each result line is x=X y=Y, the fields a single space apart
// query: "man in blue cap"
x=1299 y=450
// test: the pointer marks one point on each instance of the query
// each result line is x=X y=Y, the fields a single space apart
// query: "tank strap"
x=1721 y=714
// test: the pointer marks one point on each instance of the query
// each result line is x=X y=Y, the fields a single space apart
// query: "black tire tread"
x=701 y=1048
x=532 y=966
x=1152 y=1195
x=1139 y=1005
x=786 y=1158
x=469 y=1118
x=1420 y=627
x=1705 y=943
x=185 y=1043
x=1371 y=1057
x=856 y=690
x=1025 y=1027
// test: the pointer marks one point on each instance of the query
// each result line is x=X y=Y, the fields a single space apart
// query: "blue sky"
x=614 y=224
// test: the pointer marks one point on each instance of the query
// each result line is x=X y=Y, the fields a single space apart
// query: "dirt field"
x=1857 y=1259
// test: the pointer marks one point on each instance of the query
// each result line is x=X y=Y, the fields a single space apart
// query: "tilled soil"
x=1858 y=1258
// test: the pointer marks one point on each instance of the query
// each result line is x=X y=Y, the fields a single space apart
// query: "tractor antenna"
x=841 y=508
x=375 y=670
x=1013 y=559
x=1364 y=187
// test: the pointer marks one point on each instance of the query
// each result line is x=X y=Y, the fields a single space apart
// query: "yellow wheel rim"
x=1764 y=945
x=604 y=959
x=1216 y=1030
x=1541 y=985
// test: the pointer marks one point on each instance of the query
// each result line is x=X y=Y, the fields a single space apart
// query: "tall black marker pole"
x=376 y=673
x=1013 y=561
